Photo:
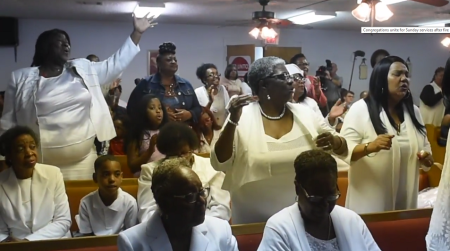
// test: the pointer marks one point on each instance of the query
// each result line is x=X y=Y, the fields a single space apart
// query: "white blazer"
x=248 y=139
x=285 y=231
x=373 y=181
x=49 y=205
x=212 y=235
x=218 y=201
x=20 y=96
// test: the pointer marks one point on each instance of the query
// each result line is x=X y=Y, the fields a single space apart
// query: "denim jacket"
x=152 y=85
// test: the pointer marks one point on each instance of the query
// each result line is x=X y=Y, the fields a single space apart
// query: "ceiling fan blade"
x=437 y=3
x=282 y=22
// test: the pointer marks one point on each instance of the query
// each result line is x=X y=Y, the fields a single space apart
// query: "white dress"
x=67 y=134
x=205 y=147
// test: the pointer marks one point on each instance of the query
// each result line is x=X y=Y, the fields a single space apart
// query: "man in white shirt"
x=108 y=210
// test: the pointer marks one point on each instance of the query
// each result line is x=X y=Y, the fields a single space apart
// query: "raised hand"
x=338 y=109
x=142 y=24
x=236 y=104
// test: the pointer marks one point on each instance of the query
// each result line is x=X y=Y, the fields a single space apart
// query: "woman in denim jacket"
x=176 y=93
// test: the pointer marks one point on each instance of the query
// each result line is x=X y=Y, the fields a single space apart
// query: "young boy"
x=108 y=210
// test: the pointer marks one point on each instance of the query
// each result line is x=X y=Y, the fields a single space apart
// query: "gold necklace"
x=398 y=129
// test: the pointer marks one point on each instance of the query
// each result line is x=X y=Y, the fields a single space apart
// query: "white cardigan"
x=20 y=96
x=373 y=180
x=285 y=231
x=249 y=137
x=218 y=201
x=49 y=205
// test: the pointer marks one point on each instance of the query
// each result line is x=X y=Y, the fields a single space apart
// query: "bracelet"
x=365 y=150
x=232 y=122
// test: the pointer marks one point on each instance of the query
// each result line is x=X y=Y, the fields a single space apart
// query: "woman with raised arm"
x=261 y=139
x=62 y=102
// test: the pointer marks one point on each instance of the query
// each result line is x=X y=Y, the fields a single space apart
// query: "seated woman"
x=314 y=222
x=34 y=204
x=180 y=222
x=207 y=130
x=178 y=140
x=261 y=139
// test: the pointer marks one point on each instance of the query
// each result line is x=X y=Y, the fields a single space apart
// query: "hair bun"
x=167 y=47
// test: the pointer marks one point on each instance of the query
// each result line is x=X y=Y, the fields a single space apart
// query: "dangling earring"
x=296 y=198
x=268 y=97
x=382 y=90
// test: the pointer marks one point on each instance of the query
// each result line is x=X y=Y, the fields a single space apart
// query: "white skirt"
x=75 y=161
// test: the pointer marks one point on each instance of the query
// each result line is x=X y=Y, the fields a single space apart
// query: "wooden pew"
x=397 y=230
x=77 y=189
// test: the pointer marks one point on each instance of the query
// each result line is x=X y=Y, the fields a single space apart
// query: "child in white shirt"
x=108 y=210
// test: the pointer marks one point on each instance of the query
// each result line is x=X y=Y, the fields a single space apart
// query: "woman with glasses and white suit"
x=262 y=137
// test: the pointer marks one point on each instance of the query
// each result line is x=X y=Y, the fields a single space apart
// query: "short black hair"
x=7 y=138
x=312 y=162
x=124 y=118
x=166 y=48
x=43 y=43
x=201 y=71
x=93 y=58
x=377 y=53
x=102 y=160
x=174 y=135
x=296 y=57
x=350 y=93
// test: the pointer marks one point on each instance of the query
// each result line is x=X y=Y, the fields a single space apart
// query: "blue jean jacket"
x=152 y=85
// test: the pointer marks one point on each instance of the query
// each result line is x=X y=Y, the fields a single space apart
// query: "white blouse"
x=218 y=107
x=25 y=192
x=205 y=147
x=63 y=106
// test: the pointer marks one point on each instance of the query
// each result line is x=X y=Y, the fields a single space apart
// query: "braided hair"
x=43 y=45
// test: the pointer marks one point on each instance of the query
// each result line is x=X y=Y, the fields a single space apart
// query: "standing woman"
x=391 y=143
x=61 y=100
x=212 y=95
x=176 y=93
x=261 y=139
x=431 y=100
x=231 y=81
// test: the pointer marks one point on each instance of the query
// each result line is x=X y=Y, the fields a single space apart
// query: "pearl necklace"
x=273 y=118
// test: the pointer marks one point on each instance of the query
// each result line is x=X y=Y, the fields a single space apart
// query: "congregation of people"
x=264 y=147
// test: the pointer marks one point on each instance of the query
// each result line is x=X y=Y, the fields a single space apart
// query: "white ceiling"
x=219 y=12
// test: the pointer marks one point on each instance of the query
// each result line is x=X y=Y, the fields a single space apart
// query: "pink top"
x=321 y=100
x=146 y=144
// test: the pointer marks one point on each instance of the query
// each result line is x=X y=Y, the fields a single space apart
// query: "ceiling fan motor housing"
x=263 y=15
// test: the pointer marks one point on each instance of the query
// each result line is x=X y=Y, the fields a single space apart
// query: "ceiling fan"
x=264 y=18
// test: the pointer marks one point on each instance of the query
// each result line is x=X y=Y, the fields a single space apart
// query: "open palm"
x=142 y=24
x=338 y=109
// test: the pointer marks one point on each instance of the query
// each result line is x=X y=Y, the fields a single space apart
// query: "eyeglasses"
x=298 y=78
x=192 y=197
x=214 y=76
x=283 y=76
x=318 y=199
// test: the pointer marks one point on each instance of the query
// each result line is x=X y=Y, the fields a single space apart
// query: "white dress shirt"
x=96 y=218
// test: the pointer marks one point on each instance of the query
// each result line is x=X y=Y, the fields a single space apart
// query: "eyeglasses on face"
x=192 y=197
x=317 y=199
x=298 y=78
x=214 y=76
x=282 y=76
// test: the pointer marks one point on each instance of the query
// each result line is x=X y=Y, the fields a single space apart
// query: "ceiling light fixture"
x=154 y=10
x=446 y=42
x=263 y=32
x=368 y=10
x=311 y=17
